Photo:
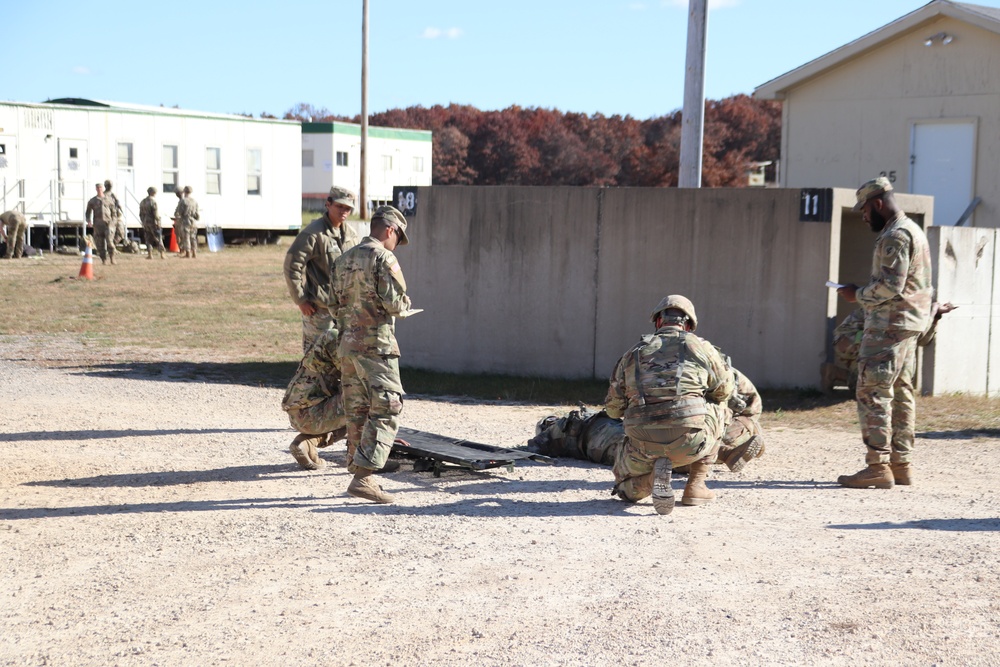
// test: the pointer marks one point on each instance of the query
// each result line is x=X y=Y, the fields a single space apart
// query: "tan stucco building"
x=917 y=100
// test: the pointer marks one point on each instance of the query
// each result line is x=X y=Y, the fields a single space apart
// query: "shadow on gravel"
x=176 y=477
x=141 y=508
x=254 y=374
x=961 y=434
x=965 y=525
x=498 y=507
x=104 y=435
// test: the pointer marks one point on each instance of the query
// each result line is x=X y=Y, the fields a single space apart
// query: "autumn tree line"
x=517 y=146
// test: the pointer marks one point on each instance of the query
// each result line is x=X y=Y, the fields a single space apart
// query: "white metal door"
x=10 y=190
x=942 y=160
x=73 y=182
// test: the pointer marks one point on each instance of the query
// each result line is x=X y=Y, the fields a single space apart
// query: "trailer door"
x=73 y=190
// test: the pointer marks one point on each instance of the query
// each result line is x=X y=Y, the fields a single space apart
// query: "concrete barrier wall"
x=559 y=282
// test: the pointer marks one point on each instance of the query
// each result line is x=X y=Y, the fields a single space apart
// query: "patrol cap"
x=681 y=303
x=392 y=216
x=187 y=189
x=872 y=188
x=339 y=195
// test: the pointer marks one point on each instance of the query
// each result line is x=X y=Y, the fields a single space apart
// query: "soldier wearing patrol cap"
x=672 y=389
x=897 y=310
x=308 y=271
x=369 y=292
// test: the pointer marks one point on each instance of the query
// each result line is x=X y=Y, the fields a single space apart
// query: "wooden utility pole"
x=363 y=189
x=693 y=114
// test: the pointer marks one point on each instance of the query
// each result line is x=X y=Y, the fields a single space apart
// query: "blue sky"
x=608 y=56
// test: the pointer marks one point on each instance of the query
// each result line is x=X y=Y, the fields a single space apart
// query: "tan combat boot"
x=695 y=492
x=161 y=255
x=876 y=475
x=663 y=493
x=902 y=473
x=737 y=457
x=363 y=486
x=303 y=448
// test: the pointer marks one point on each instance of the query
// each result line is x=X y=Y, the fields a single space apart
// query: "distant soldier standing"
x=178 y=235
x=16 y=227
x=117 y=225
x=897 y=305
x=368 y=293
x=309 y=263
x=98 y=216
x=149 y=214
x=189 y=223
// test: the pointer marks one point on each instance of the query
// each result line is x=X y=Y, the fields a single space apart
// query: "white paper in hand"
x=411 y=311
x=833 y=285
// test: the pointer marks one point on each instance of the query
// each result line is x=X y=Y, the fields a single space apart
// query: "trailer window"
x=213 y=171
x=341 y=158
x=169 y=167
x=308 y=157
x=125 y=154
x=253 y=171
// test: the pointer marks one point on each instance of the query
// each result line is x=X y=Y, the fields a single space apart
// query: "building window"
x=169 y=168
x=73 y=153
x=307 y=157
x=418 y=164
x=386 y=163
x=253 y=171
x=213 y=171
x=125 y=155
x=341 y=158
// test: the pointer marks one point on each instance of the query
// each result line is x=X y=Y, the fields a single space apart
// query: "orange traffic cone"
x=173 y=241
x=87 y=267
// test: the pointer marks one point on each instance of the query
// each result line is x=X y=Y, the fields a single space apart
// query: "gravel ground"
x=158 y=521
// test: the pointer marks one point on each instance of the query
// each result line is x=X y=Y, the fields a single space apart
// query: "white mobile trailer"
x=245 y=172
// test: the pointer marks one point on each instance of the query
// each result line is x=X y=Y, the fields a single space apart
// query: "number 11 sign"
x=815 y=204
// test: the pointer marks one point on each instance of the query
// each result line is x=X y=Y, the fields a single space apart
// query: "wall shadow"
x=38 y=436
x=253 y=374
x=962 y=525
x=176 y=477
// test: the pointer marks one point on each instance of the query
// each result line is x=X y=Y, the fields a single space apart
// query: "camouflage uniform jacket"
x=898 y=296
x=368 y=291
x=745 y=400
x=317 y=378
x=188 y=210
x=149 y=213
x=309 y=260
x=98 y=210
x=12 y=219
x=114 y=206
x=667 y=378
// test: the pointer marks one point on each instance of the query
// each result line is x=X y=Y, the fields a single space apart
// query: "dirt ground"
x=161 y=521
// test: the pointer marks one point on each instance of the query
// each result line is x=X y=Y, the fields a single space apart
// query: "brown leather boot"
x=303 y=448
x=902 y=473
x=737 y=457
x=695 y=492
x=876 y=475
x=363 y=486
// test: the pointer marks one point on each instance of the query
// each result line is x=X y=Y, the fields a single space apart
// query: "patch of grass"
x=504 y=387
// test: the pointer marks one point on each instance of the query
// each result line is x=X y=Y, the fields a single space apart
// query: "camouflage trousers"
x=189 y=236
x=633 y=468
x=738 y=431
x=15 y=241
x=103 y=240
x=154 y=237
x=373 y=399
x=323 y=417
x=313 y=326
x=886 y=406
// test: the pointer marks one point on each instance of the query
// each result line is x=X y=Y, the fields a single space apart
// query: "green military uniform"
x=313 y=398
x=897 y=304
x=672 y=389
x=368 y=291
x=189 y=216
x=149 y=215
x=309 y=263
x=16 y=227
x=100 y=216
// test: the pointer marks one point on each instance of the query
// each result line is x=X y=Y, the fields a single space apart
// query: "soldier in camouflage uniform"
x=594 y=436
x=672 y=389
x=897 y=305
x=189 y=223
x=314 y=402
x=309 y=263
x=99 y=217
x=117 y=226
x=178 y=222
x=368 y=292
x=847 y=342
x=15 y=226
x=149 y=215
